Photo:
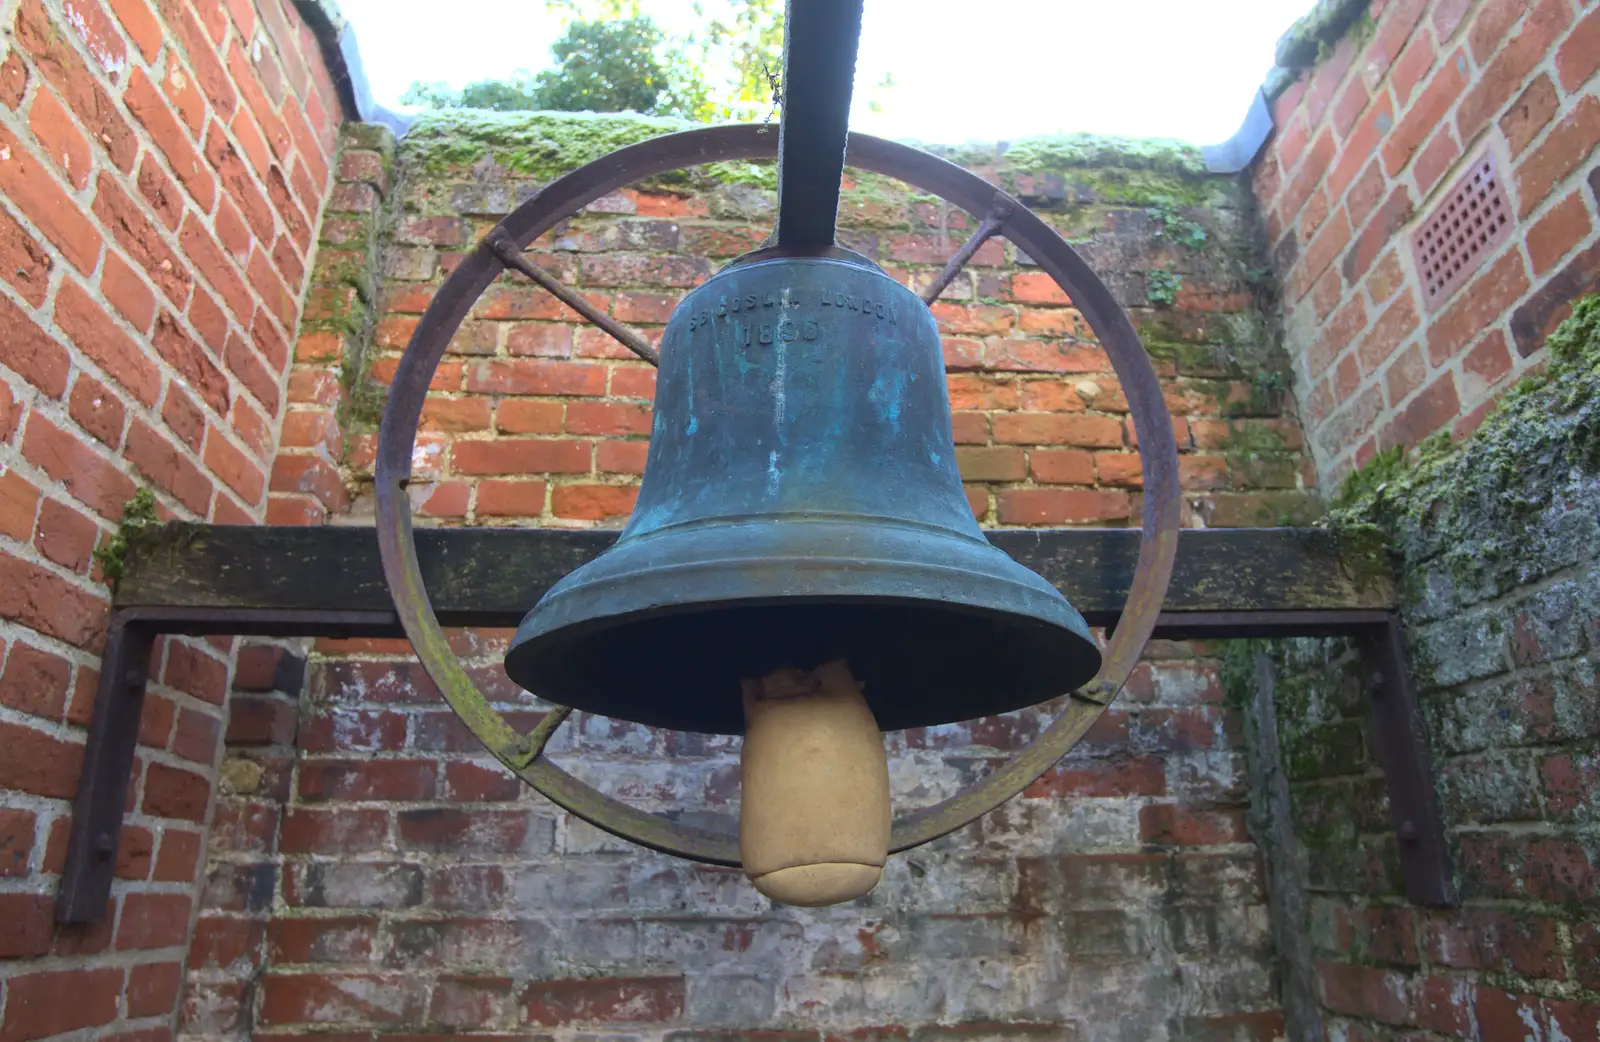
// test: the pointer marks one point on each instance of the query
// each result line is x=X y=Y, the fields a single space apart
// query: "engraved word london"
x=784 y=329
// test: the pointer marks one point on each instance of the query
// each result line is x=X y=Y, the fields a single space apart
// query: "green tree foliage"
x=605 y=66
x=743 y=49
x=613 y=58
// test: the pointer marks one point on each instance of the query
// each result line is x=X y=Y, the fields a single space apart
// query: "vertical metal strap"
x=819 y=69
x=1407 y=768
x=107 y=767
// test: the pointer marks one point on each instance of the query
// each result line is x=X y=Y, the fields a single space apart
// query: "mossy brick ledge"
x=1472 y=508
x=542 y=146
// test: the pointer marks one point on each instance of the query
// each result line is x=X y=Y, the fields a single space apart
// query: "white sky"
x=965 y=70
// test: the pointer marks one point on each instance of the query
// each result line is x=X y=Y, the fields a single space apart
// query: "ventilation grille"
x=1464 y=228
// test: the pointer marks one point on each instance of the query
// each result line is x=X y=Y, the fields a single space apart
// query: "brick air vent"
x=1464 y=228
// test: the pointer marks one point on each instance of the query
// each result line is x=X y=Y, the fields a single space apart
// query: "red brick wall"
x=1366 y=144
x=381 y=873
x=163 y=166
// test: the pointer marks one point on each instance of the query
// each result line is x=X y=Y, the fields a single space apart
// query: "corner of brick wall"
x=1366 y=144
x=1500 y=624
x=331 y=392
x=162 y=167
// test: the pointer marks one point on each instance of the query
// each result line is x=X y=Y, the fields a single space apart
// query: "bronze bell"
x=801 y=504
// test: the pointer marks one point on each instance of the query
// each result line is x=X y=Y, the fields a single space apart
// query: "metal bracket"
x=108 y=756
x=1407 y=768
x=107 y=766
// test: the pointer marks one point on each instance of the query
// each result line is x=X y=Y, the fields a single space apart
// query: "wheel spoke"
x=988 y=229
x=513 y=257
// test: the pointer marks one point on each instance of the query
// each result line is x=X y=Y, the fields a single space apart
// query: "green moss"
x=1256 y=439
x=1576 y=342
x=1267 y=390
x=1073 y=151
x=1460 y=500
x=541 y=145
x=372 y=137
x=1372 y=479
x=1238 y=671
x=1313 y=37
x=138 y=514
x=361 y=405
x=1138 y=187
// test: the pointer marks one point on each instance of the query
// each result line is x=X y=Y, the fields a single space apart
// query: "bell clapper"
x=814 y=812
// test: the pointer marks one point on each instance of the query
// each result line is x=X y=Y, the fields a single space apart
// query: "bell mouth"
x=939 y=627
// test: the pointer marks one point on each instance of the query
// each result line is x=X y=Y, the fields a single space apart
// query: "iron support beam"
x=489 y=576
x=286 y=582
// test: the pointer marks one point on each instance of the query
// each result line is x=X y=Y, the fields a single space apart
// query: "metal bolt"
x=133 y=677
x=1375 y=678
x=104 y=845
x=1407 y=831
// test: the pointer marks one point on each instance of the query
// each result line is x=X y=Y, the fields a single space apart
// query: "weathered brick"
x=1398 y=321
x=1429 y=411
x=593 y=502
x=1081 y=430
x=58 y=61
x=81 y=318
x=1529 y=114
x=86 y=475
x=168 y=467
x=648 y=1000
x=1484 y=300
x=148 y=107
x=34 y=191
x=1364 y=991
x=288 y=998
x=66 y=537
x=1427 y=112
x=140 y=239
x=368 y=780
x=1569 y=144
x=1062 y=506
x=62 y=143
x=1380 y=231
x=49 y=1002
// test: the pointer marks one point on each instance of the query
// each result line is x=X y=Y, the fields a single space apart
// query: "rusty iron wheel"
x=501 y=250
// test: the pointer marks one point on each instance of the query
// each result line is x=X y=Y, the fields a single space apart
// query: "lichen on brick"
x=1470 y=503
